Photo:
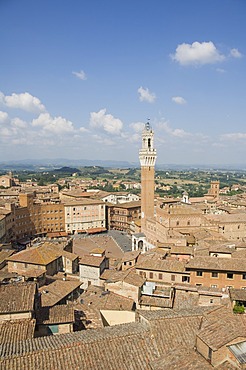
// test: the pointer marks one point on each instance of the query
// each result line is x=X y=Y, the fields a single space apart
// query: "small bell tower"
x=147 y=158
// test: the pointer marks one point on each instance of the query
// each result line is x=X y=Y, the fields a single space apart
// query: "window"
x=199 y=273
x=160 y=276
x=185 y=279
x=213 y=286
x=244 y=276
x=214 y=274
x=151 y=275
x=177 y=223
x=229 y=275
x=172 y=277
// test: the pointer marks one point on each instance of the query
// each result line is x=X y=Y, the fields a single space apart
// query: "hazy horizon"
x=80 y=79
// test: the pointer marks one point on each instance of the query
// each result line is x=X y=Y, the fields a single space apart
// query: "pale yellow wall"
x=118 y=317
x=202 y=348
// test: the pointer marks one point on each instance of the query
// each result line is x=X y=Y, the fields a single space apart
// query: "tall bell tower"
x=147 y=157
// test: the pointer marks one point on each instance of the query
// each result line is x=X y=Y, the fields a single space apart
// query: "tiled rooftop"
x=54 y=292
x=128 y=276
x=166 y=340
x=17 y=297
x=217 y=264
x=16 y=330
x=97 y=298
x=181 y=359
x=160 y=264
x=41 y=255
x=93 y=261
x=226 y=326
x=124 y=347
x=238 y=294
x=55 y=315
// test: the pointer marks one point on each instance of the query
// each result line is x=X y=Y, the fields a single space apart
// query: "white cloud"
x=83 y=129
x=180 y=133
x=197 y=53
x=235 y=53
x=234 y=136
x=106 y=122
x=178 y=100
x=3 y=117
x=24 y=101
x=103 y=140
x=135 y=138
x=220 y=70
x=146 y=95
x=56 y=125
x=19 y=123
x=137 y=126
x=21 y=141
x=5 y=132
x=81 y=75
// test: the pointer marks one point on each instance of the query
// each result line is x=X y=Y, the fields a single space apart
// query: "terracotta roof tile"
x=90 y=260
x=124 y=347
x=217 y=264
x=17 y=297
x=225 y=324
x=160 y=264
x=54 y=292
x=55 y=315
x=181 y=358
x=16 y=330
x=41 y=255
x=128 y=276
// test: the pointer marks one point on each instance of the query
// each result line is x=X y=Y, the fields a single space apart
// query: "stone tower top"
x=147 y=154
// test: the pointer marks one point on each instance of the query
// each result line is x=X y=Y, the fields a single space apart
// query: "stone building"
x=84 y=214
x=121 y=216
x=222 y=273
x=91 y=268
x=37 y=218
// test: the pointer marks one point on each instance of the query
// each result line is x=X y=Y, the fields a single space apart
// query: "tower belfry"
x=147 y=157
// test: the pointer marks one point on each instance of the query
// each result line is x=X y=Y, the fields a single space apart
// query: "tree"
x=238 y=308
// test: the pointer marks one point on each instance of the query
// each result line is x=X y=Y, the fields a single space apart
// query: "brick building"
x=121 y=216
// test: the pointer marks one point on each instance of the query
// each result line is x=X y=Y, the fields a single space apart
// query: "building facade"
x=84 y=215
x=121 y=216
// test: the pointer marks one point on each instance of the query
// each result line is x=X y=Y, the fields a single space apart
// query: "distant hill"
x=47 y=164
x=66 y=170
x=52 y=164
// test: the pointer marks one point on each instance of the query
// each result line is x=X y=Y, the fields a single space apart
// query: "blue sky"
x=79 y=78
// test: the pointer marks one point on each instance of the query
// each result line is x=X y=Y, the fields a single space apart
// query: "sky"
x=80 y=78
